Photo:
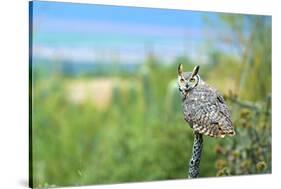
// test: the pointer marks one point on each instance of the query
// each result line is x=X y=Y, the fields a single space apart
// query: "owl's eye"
x=192 y=80
x=181 y=80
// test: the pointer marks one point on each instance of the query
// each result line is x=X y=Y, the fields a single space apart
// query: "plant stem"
x=194 y=163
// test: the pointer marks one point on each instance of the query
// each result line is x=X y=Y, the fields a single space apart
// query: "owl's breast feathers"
x=207 y=113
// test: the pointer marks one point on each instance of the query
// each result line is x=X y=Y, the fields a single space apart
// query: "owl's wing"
x=212 y=116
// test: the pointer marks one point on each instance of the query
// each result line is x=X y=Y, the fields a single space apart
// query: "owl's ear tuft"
x=180 y=69
x=195 y=71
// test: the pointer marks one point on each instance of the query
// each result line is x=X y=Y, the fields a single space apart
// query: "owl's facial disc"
x=187 y=81
x=187 y=84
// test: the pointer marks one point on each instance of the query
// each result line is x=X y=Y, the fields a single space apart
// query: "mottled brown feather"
x=206 y=112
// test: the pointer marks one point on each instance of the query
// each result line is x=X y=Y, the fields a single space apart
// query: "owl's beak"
x=187 y=88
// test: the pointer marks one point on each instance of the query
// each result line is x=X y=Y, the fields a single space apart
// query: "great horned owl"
x=203 y=107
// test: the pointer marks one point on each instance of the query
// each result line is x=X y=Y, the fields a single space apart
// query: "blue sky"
x=89 y=32
x=91 y=12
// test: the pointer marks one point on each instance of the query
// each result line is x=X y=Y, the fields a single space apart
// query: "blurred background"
x=105 y=103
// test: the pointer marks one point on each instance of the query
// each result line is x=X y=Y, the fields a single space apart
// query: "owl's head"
x=187 y=80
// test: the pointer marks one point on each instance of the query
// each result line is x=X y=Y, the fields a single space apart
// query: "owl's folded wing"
x=212 y=117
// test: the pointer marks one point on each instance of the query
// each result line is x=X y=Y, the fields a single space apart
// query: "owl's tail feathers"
x=227 y=133
x=214 y=130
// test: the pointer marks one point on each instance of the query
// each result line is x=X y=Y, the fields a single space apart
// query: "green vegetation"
x=138 y=133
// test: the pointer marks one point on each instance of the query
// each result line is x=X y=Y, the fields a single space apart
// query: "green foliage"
x=250 y=150
x=252 y=36
x=250 y=100
x=135 y=138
